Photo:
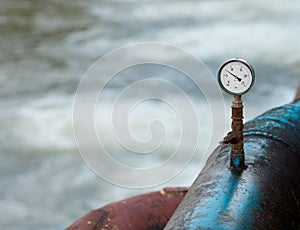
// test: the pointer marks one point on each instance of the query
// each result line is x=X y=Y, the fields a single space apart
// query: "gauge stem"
x=237 y=156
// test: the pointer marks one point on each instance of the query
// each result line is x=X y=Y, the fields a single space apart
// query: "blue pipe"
x=266 y=195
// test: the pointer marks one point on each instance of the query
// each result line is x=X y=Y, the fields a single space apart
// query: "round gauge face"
x=236 y=76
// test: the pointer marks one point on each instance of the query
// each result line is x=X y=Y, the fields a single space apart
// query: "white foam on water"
x=45 y=123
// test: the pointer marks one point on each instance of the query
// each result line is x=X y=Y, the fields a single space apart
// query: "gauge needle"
x=239 y=79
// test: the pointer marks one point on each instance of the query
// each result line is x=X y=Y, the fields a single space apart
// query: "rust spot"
x=174 y=191
x=102 y=219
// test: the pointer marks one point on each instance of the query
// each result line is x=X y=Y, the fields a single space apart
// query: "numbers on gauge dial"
x=236 y=77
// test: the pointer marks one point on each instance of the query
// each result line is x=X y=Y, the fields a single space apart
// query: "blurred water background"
x=47 y=46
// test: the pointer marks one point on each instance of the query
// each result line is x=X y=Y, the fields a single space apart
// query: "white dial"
x=236 y=76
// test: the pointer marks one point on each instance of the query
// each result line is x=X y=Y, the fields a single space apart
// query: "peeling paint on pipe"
x=264 y=196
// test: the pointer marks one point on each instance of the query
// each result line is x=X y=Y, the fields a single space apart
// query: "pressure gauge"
x=236 y=76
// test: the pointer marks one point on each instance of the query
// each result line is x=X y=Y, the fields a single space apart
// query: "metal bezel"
x=241 y=61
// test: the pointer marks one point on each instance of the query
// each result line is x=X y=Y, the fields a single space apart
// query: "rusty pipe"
x=266 y=195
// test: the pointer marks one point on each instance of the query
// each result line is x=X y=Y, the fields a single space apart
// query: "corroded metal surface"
x=264 y=196
x=147 y=211
x=235 y=137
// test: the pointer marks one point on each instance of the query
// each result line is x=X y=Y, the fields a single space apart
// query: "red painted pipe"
x=147 y=211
